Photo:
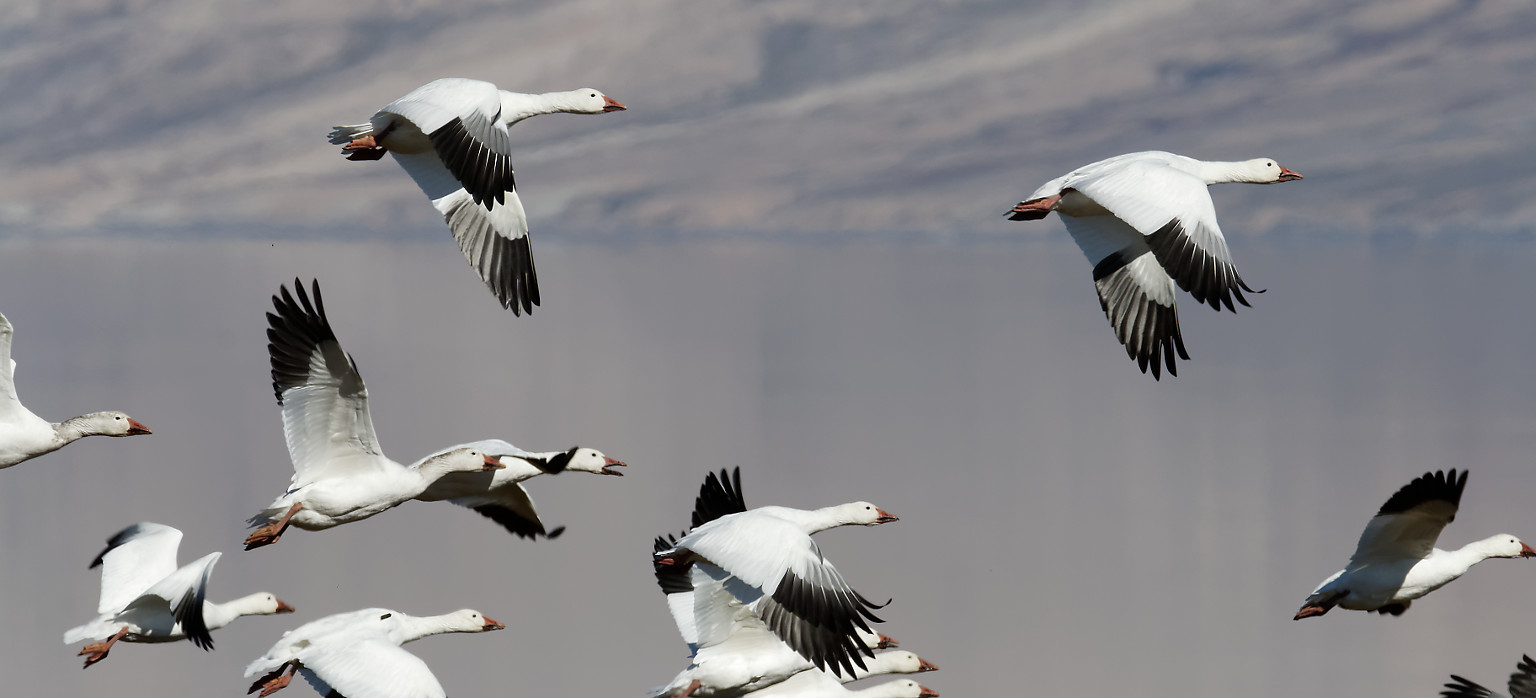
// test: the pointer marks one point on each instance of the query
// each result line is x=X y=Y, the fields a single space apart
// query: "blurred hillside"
x=1408 y=117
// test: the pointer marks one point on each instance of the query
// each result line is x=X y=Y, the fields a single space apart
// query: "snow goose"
x=500 y=497
x=766 y=560
x=358 y=654
x=146 y=598
x=816 y=682
x=1522 y=684
x=819 y=685
x=1145 y=220
x=24 y=435
x=340 y=474
x=450 y=135
x=1396 y=560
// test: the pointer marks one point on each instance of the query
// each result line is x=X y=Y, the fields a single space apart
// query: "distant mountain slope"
x=1411 y=116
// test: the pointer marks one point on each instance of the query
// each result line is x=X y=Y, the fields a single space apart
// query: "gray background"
x=788 y=255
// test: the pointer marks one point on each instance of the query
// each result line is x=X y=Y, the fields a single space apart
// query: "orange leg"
x=275 y=681
x=268 y=534
x=98 y=650
x=1034 y=209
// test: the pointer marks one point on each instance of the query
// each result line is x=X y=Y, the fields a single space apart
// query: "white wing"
x=325 y=404
x=776 y=570
x=369 y=666
x=1134 y=290
x=135 y=559
x=495 y=495
x=1173 y=210
x=10 y=406
x=1407 y=526
x=494 y=240
x=182 y=594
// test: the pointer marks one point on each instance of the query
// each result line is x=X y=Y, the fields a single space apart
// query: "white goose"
x=1145 y=220
x=737 y=653
x=340 y=474
x=816 y=682
x=1522 y=684
x=1396 y=560
x=830 y=688
x=146 y=598
x=764 y=560
x=358 y=654
x=499 y=497
x=24 y=435
x=450 y=135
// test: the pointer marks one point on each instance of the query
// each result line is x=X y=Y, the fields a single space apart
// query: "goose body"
x=1396 y=561
x=24 y=435
x=743 y=581
x=1145 y=221
x=340 y=473
x=500 y=496
x=451 y=137
x=816 y=682
x=145 y=597
x=359 y=653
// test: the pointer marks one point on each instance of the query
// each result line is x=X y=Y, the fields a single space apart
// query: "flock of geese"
x=761 y=609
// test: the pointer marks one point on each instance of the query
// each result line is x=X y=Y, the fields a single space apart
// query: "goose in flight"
x=358 y=654
x=24 y=436
x=340 y=474
x=1145 y=220
x=1396 y=560
x=145 y=597
x=450 y=135
x=499 y=495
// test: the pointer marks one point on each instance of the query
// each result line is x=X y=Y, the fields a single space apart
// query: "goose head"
x=864 y=514
x=906 y=688
x=469 y=620
x=111 y=424
x=591 y=460
x=1265 y=171
x=904 y=662
x=263 y=604
x=589 y=101
x=465 y=460
x=1505 y=545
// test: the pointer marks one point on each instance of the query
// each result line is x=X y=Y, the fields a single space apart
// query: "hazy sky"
x=789 y=255
x=1068 y=525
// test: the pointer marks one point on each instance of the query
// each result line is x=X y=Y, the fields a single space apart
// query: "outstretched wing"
x=371 y=667
x=325 y=404
x=1408 y=525
x=183 y=593
x=134 y=560
x=1134 y=290
x=9 y=404
x=1173 y=210
x=494 y=240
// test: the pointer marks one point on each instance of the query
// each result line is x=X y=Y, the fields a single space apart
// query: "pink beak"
x=608 y=462
x=135 y=428
x=925 y=665
x=610 y=105
x=284 y=608
x=926 y=692
x=1527 y=551
x=886 y=641
x=493 y=625
x=885 y=516
x=491 y=463
x=1287 y=175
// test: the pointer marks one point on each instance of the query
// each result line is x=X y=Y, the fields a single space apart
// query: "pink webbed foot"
x=275 y=681
x=1034 y=209
x=97 y=651
x=268 y=534
x=365 y=148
